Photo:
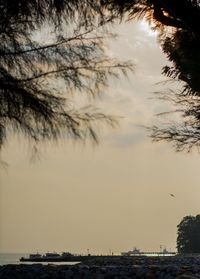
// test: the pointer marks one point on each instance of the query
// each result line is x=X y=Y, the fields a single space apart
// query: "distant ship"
x=133 y=252
x=35 y=256
x=47 y=257
x=137 y=252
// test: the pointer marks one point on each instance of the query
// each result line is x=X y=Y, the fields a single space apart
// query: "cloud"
x=130 y=99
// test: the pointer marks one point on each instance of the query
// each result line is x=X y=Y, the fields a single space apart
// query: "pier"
x=82 y=258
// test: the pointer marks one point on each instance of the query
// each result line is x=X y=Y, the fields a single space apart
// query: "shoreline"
x=109 y=268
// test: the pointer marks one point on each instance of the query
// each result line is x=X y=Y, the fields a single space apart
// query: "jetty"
x=83 y=258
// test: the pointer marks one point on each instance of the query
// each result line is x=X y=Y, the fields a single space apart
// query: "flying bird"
x=172 y=195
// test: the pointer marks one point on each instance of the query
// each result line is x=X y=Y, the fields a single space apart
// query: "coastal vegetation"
x=73 y=55
x=188 y=238
x=49 y=51
x=178 y=26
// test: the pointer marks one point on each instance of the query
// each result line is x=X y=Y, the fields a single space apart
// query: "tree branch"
x=34 y=49
x=166 y=20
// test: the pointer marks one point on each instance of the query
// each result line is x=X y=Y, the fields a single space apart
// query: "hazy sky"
x=107 y=198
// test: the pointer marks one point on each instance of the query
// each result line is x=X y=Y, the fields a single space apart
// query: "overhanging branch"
x=162 y=18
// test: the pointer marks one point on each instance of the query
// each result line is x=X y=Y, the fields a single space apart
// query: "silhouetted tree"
x=184 y=14
x=182 y=50
x=75 y=57
x=38 y=75
x=181 y=44
x=188 y=238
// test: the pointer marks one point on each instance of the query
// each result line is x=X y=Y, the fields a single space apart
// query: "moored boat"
x=35 y=256
x=52 y=257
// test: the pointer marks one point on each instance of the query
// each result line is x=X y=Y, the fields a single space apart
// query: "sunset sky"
x=110 y=197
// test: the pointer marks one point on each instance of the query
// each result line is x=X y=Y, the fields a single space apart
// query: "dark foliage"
x=178 y=22
x=182 y=49
x=37 y=76
x=188 y=238
x=184 y=14
x=30 y=70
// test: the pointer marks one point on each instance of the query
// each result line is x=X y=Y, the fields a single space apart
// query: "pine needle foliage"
x=32 y=70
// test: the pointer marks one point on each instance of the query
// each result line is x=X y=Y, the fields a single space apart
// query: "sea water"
x=14 y=258
x=11 y=258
